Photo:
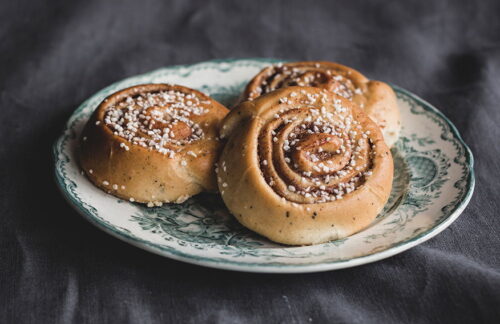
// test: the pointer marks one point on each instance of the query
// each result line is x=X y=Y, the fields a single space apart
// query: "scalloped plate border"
x=391 y=250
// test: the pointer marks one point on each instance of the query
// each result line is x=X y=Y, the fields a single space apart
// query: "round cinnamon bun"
x=153 y=143
x=303 y=165
x=376 y=98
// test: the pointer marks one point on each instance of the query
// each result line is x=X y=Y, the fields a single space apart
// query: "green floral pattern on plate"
x=433 y=183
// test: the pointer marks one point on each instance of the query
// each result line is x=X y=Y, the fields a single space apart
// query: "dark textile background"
x=57 y=268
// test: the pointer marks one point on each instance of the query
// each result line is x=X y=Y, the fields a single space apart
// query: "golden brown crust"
x=290 y=182
x=376 y=98
x=153 y=143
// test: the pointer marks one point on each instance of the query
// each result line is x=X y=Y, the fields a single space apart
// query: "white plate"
x=433 y=183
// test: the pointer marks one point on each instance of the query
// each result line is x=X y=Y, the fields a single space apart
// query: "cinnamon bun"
x=303 y=166
x=376 y=98
x=153 y=143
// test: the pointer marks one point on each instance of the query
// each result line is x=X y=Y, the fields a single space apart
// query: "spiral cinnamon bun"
x=376 y=98
x=153 y=143
x=303 y=165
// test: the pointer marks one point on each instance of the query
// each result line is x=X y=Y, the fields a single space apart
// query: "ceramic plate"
x=433 y=183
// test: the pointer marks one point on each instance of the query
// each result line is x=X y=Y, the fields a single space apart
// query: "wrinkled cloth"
x=57 y=268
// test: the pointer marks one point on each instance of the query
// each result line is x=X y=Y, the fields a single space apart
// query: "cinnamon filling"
x=280 y=76
x=308 y=156
x=314 y=150
x=164 y=121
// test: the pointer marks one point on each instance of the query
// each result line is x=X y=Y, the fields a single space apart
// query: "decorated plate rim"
x=269 y=267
